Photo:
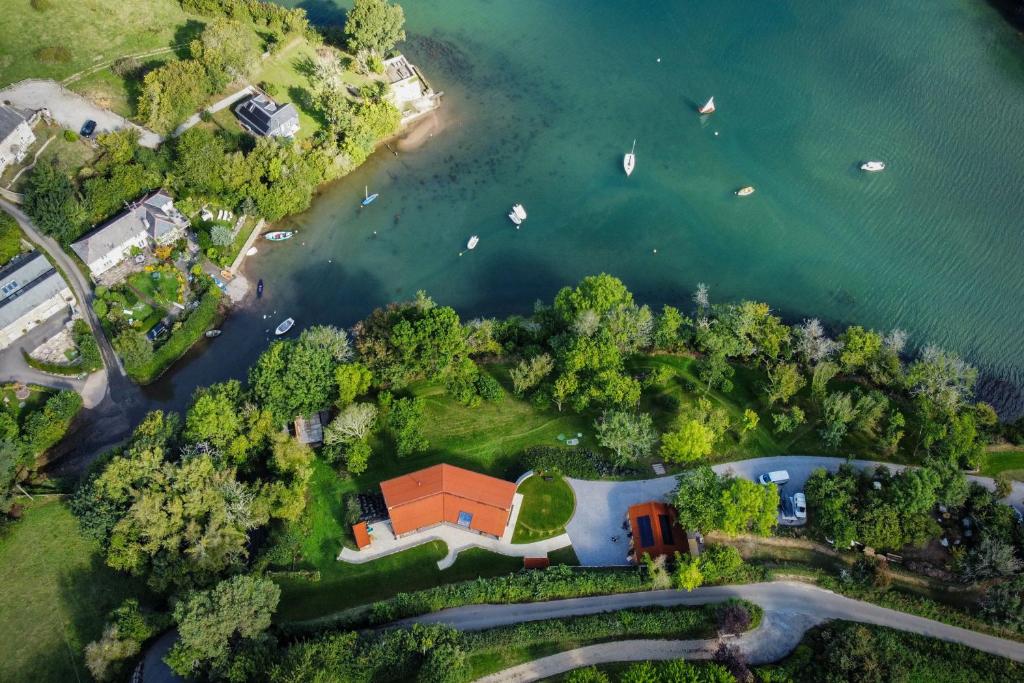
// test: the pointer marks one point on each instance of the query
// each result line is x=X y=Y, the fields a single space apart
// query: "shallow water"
x=543 y=98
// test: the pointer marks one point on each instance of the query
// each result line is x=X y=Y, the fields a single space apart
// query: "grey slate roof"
x=11 y=118
x=154 y=214
x=398 y=69
x=37 y=281
x=263 y=116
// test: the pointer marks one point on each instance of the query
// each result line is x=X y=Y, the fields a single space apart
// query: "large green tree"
x=52 y=201
x=629 y=436
x=374 y=25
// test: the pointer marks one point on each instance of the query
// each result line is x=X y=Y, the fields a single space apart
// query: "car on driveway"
x=800 y=505
x=778 y=477
x=88 y=128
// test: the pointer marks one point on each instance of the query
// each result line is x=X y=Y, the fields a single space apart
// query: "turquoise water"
x=543 y=98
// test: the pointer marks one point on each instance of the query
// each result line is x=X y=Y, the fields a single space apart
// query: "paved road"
x=789 y=608
x=595 y=522
x=71 y=110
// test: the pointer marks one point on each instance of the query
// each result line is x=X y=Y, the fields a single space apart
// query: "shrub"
x=489 y=388
x=53 y=55
x=126 y=67
x=578 y=463
x=70 y=135
x=42 y=5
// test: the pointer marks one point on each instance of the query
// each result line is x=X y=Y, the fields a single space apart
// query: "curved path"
x=593 y=525
x=790 y=608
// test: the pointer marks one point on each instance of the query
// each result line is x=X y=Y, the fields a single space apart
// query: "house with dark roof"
x=151 y=220
x=16 y=134
x=408 y=89
x=31 y=291
x=261 y=115
x=445 y=494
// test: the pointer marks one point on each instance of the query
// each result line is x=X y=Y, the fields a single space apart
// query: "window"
x=666 y=529
x=646 y=532
x=465 y=519
x=9 y=287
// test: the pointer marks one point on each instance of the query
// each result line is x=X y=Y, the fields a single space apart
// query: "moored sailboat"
x=708 y=108
x=629 y=161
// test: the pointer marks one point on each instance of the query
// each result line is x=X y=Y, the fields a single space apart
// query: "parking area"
x=69 y=109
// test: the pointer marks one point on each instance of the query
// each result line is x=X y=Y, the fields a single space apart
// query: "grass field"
x=547 y=508
x=91 y=31
x=161 y=287
x=1010 y=463
x=56 y=593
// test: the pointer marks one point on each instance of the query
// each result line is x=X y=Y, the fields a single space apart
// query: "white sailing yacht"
x=629 y=161
x=708 y=108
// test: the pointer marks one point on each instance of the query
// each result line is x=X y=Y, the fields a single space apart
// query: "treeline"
x=25 y=433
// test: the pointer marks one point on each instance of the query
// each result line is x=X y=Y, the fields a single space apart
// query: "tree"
x=822 y=375
x=357 y=457
x=52 y=203
x=135 y=350
x=221 y=236
x=354 y=423
x=690 y=441
x=353 y=380
x=405 y=421
x=747 y=507
x=528 y=374
x=942 y=378
x=812 y=344
x=213 y=417
x=212 y=623
x=701 y=297
x=832 y=499
x=687 y=575
x=374 y=25
x=669 y=330
x=1004 y=603
x=991 y=558
x=172 y=93
x=291 y=463
x=629 y=436
x=598 y=293
x=590 y=674
x=697 y=498
x=750 y=420
x=227 y=50
x=838 y=413
x=784 y=381
x=860 y=347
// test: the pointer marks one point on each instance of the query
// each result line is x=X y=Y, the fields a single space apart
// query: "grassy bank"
x=1009 y=463
x=54 y=39
x=56 y=593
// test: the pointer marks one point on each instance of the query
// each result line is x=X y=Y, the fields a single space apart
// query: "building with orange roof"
x=445 y=494
x=656 y=530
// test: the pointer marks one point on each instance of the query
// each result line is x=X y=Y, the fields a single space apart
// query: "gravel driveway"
x=69 y=109
x=601 y=505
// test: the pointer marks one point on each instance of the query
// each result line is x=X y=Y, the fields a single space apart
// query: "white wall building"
x=409 y=91
x=31 y=291
x=16 y=134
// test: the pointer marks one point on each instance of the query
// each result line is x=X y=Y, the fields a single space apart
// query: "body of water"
x=543 y=98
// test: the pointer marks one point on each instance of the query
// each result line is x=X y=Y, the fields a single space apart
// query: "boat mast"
x=634 y=147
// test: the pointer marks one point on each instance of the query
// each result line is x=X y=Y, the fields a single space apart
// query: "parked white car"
x=800 y=505
x=778 y=477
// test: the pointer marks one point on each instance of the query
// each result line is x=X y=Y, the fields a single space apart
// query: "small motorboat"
x=708 y=108
x=519 y=211
x=368 y=198
x=252 y=251
x=210 y=334
x=284 y=327
x=873 y=166
x=514 y=218
x=259 y=289
x=473 y=241
x=629 y=161
x=745 y=191
x=279 y=235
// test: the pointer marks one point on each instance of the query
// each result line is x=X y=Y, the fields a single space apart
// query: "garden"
x=548 y=505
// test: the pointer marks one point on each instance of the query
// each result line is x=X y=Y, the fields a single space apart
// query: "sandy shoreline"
x=421 y=130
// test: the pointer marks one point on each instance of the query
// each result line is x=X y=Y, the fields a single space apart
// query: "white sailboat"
x=873 y=166
x=473 y=241
x=519 y=211
x=708 y=108
x=629 y=161
x=515 y=218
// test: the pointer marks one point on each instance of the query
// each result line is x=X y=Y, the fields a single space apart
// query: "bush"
x=578 y=463
x=42 y=5
x=126 y=67
x=53 y=55
x=89 y=358
x=70 y=135
x=489 y=388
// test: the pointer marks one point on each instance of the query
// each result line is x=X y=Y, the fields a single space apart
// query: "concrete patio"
x=384 y=543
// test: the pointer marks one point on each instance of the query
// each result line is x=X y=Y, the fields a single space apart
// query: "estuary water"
x=542 y=98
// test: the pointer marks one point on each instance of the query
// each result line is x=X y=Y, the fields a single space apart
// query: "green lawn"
x=161 y=287
x=10 y=238
x=56 y=593
x=547 y=507
x=91 y=31
x=1010 y=463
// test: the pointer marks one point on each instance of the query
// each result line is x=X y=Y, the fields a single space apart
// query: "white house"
x=151 y=220
x=31 y=291
x=16 y=134
x=409 y=91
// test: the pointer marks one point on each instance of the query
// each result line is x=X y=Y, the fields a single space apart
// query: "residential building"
x=445 y=494
x=151 y=220
x=310 y=430
x=656 y=531
x=16 y=134
x=260 y=115
x=409 y=91
x=31 y=291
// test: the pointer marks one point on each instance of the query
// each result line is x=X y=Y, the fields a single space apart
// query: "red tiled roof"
x=439 y=493
x=362 y=535
x=536 y=563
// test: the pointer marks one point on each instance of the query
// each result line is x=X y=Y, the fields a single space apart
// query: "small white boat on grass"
x=708 y=108
x=873 y=166
x=285 y=326
x=473 y=241
x=745 y=191
x=629 y=161
x=519 y=211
